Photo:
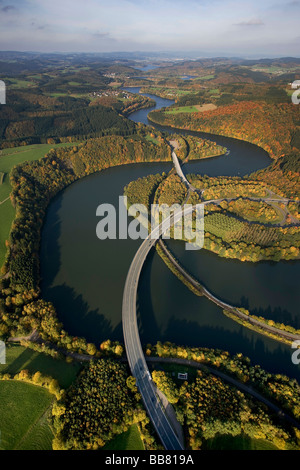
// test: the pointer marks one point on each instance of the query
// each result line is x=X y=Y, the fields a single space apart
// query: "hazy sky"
x=257 y=27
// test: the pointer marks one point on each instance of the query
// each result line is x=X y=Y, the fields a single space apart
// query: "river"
x=84 y=277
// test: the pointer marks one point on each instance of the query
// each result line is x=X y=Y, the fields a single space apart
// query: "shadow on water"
x=50 y=251
x=178 y=331
x=145 y=312
x=277 y=314
x=77 y=317
x=74 y=312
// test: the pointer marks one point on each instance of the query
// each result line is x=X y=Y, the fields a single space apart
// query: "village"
x=116 y=93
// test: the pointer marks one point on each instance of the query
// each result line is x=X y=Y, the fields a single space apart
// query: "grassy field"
x=23 y=416
x=206 y=77
x=8 y=159
x=17 y=83
x=13 y=156
x=129 y=440
x=152 y=139
x=7 y=214
x=182 y=109
x=168 y=93
x=227 y=442
x=19 y=358
x=57 y=95
x=25 y=407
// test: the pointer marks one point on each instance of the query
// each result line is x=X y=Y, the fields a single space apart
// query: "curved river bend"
x=85 y=277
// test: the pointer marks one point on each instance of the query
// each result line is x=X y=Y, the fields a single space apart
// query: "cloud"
x=295 y=3
x=106 y=38
x=116 y=25
x=101 y=35
x=38 y=26
x=253 y=22
x=8 y=8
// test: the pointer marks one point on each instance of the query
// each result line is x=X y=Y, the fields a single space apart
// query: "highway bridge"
x=180 y=173
x=134 y=351
x=179 y=169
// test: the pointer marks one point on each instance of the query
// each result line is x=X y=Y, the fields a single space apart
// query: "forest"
x=34 y=184
x=81 y=122
x=75 y=102
x=101 y=404
x=278 y=387
x=270 y=126
x=245 y=229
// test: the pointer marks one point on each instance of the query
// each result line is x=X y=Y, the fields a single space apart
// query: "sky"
x=258 y=28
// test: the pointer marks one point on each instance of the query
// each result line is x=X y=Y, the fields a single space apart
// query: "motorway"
x=134 y=351
x=179 y=169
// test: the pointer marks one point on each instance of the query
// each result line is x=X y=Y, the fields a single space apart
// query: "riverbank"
x=168 y=310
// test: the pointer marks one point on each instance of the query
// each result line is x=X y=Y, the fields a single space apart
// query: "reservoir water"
x=84 y=277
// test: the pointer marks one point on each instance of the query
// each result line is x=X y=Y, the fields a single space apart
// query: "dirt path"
x=2 y=202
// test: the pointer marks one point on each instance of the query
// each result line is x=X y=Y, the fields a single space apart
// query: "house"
x=182 y=376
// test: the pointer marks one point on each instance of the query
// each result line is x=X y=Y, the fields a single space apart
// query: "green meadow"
x=8 y=159
x=23 y=416
x=182 y=109
x=25 y=408
x=129 y=440
x=19 y=358
x=18 y=83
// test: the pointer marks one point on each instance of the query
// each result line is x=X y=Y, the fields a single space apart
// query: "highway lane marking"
x=131 y=336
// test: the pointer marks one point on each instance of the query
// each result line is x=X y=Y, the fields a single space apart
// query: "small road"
x=34 y=337
x=231 y=380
